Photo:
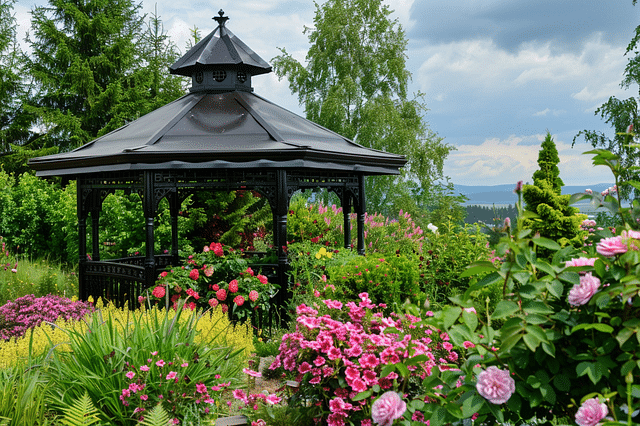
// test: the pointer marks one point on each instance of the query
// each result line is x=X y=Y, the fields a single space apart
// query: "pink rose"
x=387 y=408
x=581 y=293
x=581 y=261
x=591 y=412
x=611 y=246
x=495 y=385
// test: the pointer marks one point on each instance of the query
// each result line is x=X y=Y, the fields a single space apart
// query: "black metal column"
x=149 y=209
x=174 y=208
x=346 y=212
x=280 y=230
x=82 y=241
x=96 y=206
x=361 y=211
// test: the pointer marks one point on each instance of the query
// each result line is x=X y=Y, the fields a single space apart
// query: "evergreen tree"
x=355 y=83
x=548 y=160
x=556 y=219
x=95 y=68
x=14 y=127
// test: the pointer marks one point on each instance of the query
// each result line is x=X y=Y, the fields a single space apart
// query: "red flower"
x=159 y=292
x=238 y=300
x=315 y=240
x=193 y=294
x=213 y=302
x=221 y=294
x=253 y=295
x=225 y=308
x=163 y=274
x=263 y=279
x=217 y=249
x=215 y=287
x=250 y=271
x=194 y=274
x=233 y=286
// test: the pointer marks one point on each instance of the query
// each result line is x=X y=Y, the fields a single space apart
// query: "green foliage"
x=38 y=217
x=355 y=83
x=548 y=160
x=156 y=417
x=444 y=256
x=553 y=217
x=390 y=279
x=81 y=412
x=22 y=395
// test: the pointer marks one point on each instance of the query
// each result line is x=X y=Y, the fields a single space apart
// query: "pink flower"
x=251 y=372
x=206 y=249
x=213 y=302
x=369 y=361
x=201 y=388
x=581 y=261
x=130 y=375
x=144 y=368
x=581 y=293
x=194 y=274
x=238 y=300
x=468 y=345
x=239 y=394
x=160 y=363
x=611 y=246
x=159 y=292
x=233 y=286
x=253 y=295
x=221 y=294
x=591 y=412
x=333 y=304
x=172 y=375
x=273 y=399
x=387 y=408
x=495 y=385
x=518 y=187
x=262 y=279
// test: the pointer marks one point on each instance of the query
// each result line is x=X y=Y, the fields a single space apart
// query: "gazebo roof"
x=220 y=124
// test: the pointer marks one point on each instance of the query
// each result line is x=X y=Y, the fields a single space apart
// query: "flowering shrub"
x=217 y=276
x=24 y=313
x=347 y=356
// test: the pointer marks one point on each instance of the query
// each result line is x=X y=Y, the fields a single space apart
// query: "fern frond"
x=82 y=412
x=156 y=417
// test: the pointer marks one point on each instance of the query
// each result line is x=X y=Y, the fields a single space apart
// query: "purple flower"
x=495 y=385
x=518 y=187
x=387 y=408
x=611 y=246
x=581 y=293
x=591 y=412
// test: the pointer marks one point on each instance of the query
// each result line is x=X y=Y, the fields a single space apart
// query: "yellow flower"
x=329 y=254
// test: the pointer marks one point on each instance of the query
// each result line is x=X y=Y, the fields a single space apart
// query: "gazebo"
x=218 y=137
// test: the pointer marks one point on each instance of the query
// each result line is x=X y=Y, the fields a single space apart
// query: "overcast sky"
x=496 y=74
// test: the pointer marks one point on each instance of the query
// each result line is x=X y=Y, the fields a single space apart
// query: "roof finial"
x=221 y=19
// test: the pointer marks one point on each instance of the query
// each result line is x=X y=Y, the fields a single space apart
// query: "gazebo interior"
x=218 y=137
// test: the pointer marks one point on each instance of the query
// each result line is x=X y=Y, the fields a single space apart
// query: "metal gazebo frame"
x=219 y=137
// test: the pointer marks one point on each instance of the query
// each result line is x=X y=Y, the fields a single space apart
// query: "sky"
x=496 y=74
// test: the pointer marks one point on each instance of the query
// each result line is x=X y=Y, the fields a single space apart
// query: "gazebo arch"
x=218 y=137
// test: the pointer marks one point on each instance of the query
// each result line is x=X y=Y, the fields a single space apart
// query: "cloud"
x=498 y=161
x=509 y=24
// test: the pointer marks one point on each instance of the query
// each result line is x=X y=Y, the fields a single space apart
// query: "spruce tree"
x=96 y=67
x=548 y=160
x=556 y=219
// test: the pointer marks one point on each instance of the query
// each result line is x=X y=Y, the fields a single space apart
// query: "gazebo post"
x=96 y=206
x=280 y=228
x=361 y=214
x=149 y=217
x=82 y=240
x=346 y=213
x=174 y=207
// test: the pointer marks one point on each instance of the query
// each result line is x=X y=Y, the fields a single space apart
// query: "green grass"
x=38 y=277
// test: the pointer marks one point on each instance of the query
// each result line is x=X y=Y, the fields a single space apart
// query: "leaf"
x=156 y=417
x=562 y=382
x=81 y=412
x=472 y=405
x=504 y=309
x=531 y=341
x=476 y=268
x=363 y=395
x=624 y=335
x=546 y=243
x=438 y=417
x=548 y=393
x=488 y=280
x=451 y=315
x=605 y=328
x=556 y=288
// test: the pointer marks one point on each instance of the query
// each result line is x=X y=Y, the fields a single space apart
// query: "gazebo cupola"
x=220 y=62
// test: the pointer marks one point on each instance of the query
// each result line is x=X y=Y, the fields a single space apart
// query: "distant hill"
x=503 y=195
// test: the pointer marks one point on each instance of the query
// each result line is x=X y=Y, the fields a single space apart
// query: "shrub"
x=347 y=354
x=27 y=312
